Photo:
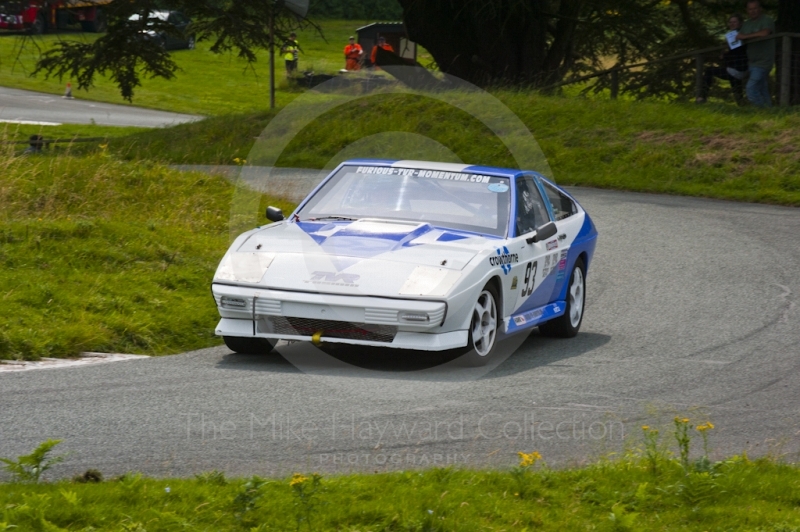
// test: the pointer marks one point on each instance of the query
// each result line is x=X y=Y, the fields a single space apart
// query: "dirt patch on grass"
x=661 y=137
x=721 y=149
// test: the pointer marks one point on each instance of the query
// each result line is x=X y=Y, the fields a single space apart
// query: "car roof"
x=442 y=167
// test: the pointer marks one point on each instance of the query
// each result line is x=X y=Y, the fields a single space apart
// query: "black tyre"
x=249 y=346
x=483 y=327
x=567 y=325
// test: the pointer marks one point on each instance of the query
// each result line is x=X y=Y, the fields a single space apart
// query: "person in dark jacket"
x=733 y=69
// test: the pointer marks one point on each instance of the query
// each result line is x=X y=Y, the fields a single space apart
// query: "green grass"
x=206 y=84
x=14 y=132
x=716 y=151
x=100 y=255
x=623 y=495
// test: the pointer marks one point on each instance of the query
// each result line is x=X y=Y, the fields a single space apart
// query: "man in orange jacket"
x=352 y=55
x=381 y=44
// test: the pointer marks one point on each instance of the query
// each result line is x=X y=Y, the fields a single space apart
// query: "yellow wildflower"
x=528 y=459
x=297 y=478
x=645 y=427
x=705 y=426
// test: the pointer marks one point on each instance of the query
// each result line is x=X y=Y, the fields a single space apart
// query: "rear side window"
x=563 y=207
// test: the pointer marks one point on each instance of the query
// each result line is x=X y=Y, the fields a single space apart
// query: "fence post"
x=786 y=70
x=698 y=75
x=614 y=84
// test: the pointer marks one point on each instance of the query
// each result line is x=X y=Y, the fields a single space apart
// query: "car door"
x=564 y=211
x=530 y=213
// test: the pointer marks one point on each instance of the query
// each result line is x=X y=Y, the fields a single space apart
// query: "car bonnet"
x=378 y=256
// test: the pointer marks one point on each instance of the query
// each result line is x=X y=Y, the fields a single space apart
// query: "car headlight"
x=245 y=267
x=429 y=281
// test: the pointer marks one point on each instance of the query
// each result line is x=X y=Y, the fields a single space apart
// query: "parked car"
x=410 y=255
x=170 y=41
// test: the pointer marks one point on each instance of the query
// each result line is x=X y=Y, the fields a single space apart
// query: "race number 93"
x=530 y=278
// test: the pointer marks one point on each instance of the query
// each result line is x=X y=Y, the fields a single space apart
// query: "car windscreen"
x=457 y=200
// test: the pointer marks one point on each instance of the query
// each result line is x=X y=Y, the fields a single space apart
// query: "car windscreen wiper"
x=345 y=218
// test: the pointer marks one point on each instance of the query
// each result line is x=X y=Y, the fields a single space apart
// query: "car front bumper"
x=357 y=320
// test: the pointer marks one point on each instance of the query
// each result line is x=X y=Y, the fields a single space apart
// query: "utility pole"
x=299 y=8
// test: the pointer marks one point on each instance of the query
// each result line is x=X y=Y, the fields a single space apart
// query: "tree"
x=240 y=26
x=789 y=21
x=486 y=41
x=537 y=42
x=355 y=9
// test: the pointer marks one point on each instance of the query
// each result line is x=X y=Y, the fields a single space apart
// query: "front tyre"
x=567 y=325
x=483 y=328
x=249 y=346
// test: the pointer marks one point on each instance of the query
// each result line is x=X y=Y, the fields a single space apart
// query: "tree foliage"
x=126 y=55
x=540 y=42
x=386 y=10
x=487 y=42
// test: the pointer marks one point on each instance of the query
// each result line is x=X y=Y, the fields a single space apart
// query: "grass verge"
x=14 y=132
x=622 y=495
x=102 y=255
x=715 y=151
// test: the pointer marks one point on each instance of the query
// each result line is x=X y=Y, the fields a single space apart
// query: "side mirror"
x=544 y=232
x=274 y=214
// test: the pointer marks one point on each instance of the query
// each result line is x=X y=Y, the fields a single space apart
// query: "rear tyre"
x=567 y=325
x=483 y=328
x=249 y=346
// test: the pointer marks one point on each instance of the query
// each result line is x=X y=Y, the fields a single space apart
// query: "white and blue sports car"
x=410 y=255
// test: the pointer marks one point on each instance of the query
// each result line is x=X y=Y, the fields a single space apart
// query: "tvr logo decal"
x=333 y=278
x=504 y=259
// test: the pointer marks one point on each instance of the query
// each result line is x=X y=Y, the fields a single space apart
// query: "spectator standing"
x=733 y=69
x=290 y=51
x=381 y=44
x=760 y=55
x=352 y=55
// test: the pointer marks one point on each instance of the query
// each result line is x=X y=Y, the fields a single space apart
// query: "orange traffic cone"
x=68 y=92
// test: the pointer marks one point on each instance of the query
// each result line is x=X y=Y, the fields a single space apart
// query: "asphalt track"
x=28 y=106
x=691 y=310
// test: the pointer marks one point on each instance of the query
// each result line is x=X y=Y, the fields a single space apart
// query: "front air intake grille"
x=328 y=328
